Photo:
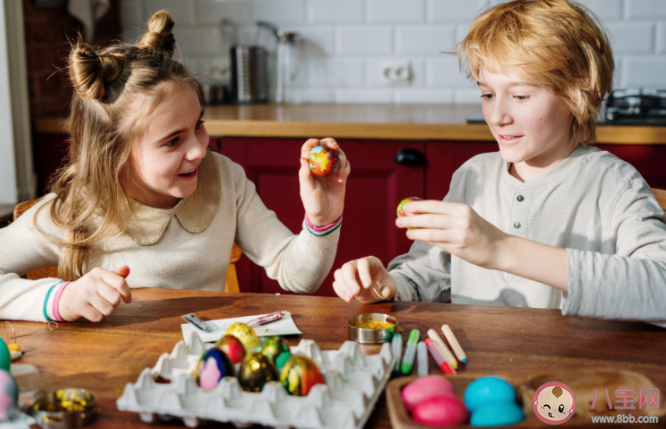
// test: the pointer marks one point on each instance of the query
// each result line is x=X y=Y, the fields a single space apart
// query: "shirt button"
x=520 y=198
x=516 y=225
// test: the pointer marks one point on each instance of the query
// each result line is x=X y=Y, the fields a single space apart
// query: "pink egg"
x=424 y=388
x=447 y=410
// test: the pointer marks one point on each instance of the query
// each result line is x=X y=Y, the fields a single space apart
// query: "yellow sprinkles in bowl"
x=375 y=325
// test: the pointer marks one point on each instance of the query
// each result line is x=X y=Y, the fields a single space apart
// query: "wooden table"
x=104 y=357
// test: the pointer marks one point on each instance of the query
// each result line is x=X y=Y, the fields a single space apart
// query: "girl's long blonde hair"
x=105 y=120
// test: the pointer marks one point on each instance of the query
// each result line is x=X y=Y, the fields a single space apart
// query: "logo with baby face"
x=554 y=403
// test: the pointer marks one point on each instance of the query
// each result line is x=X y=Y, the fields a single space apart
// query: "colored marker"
x=422 y=359
x=410 y=353
x=439 y=358
x=455 y=345
x=396 y=349
x=442 y=348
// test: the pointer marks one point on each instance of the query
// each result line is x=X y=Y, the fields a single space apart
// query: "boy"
x=548 y=222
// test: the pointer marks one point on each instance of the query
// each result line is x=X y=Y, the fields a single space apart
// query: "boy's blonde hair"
x=105 y=119
x=559 y=44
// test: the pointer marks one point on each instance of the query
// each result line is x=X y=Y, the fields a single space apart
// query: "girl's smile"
x=165 y=159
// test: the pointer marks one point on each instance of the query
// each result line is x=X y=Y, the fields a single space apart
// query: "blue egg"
x=8 y=395
x=497 y=414
x=488 y=389
x=213 y=366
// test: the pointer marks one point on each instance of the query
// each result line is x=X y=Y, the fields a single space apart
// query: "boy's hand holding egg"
x=365 y=279
x=323 y=196
x=95 y=295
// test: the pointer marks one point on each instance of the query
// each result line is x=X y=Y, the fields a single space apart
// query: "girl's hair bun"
x=89 y=71
x=159 y=36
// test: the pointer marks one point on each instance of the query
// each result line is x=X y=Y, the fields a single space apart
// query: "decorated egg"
x=497 y=414
x=323 y=161
x=273 y=347
x=245 y=334
x=403 y=202
x=232 y=347
x=8 y=395
x=486 y=390
x=212 y=367
x=299 y=374
x=256 y=369
x=445 y=410
x=5 y=357
x=281 y=360
x=425 y=388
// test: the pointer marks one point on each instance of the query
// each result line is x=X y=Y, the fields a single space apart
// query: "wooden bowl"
x=581 y=381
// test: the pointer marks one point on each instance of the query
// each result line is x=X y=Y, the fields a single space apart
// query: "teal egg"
x=5 y=357
x=486 y=390
x=497 y=414
x=8 y=395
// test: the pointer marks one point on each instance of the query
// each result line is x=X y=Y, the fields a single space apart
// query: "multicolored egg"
x=245 y=334
x=403 y=202
x=232 y=347
x=256 y=370
x=299 y=374
x=323 y=161
x=8 y=395
x=281 y=360
x=213 y=366
x=273 y=347
x=5 y=357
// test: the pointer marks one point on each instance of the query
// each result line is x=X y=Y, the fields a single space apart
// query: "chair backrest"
x=231 y=284
x=660 y=194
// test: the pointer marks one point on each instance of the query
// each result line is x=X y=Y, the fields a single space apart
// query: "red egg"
x=323 y=161
x=445 y=410
x=425 y=388
x=232 y=347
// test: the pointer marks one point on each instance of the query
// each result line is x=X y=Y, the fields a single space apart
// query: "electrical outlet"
x=396 y=73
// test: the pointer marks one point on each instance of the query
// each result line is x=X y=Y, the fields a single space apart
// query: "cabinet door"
x=444 y=158
x=375 y=187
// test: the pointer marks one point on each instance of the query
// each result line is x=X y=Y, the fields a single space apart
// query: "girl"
x=141 y=190
x=549 y=221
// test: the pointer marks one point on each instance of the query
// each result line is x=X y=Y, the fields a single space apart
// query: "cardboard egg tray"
x=354 y=382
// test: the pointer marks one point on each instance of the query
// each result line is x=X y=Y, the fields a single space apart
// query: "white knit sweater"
x=187 y=247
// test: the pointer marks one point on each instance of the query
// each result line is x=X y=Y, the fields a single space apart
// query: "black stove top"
x=624 y=107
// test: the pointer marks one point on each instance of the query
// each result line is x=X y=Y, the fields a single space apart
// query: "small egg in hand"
x=323 y=161
x=402 y=204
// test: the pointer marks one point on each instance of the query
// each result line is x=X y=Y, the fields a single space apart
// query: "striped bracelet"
x=46 y=301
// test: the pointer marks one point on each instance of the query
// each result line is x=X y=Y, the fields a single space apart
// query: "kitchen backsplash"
x=347 y=45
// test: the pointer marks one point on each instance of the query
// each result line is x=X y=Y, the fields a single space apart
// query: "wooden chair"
x=660 y=194
x=231 y=284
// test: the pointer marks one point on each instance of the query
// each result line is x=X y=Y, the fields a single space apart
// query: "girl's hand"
x=365 y=279
x=95 y=295
x=456 y=228
x=323 y=197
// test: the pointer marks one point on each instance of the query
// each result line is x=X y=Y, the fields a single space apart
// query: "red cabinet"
x=375 y=187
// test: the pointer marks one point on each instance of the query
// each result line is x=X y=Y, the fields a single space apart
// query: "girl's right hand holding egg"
x=95 y=295
x=365 y=279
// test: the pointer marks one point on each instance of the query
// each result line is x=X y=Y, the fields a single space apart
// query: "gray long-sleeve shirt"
x=593 y=204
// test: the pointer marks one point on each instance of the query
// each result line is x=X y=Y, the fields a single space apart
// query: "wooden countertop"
x=367 y=121
x=516 y=342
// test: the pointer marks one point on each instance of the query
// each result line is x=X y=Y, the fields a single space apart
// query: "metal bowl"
x=66 y=408
x=371 y=336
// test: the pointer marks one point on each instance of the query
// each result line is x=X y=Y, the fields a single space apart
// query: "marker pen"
x=408 y=359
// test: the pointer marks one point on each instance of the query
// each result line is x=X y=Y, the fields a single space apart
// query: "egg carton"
x=353 y=383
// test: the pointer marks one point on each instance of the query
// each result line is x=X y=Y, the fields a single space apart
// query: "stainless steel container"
x=370 y=336
x=66 y=409
x=249 y=74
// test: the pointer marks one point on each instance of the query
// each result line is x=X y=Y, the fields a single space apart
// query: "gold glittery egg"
x=256 y=369
x=245 y=334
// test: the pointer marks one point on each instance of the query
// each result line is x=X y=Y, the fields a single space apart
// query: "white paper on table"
x=284 y=326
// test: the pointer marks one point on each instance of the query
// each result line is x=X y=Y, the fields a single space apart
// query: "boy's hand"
x=456 y=228
x=323 y=197
x=365 y=279
x=95 y=295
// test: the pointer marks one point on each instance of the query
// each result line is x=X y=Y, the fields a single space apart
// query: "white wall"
x=347 y=42
x=17 y=177
x=8 y=186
